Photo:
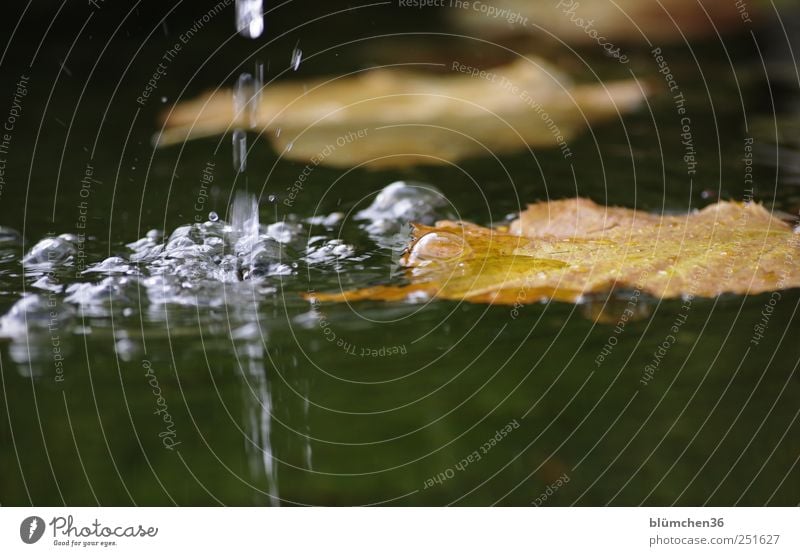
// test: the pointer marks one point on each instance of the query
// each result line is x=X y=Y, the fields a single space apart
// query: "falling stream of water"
x=246 y=100
x=250 y=18
x=258 y=407
x=244 y=221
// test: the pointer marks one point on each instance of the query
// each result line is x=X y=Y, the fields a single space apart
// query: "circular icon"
x=31 y=529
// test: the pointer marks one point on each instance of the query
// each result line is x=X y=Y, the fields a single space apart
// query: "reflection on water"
x=260 y=413
x=258 y=417
x=379 y=424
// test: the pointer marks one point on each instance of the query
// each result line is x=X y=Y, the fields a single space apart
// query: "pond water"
x=158 y=348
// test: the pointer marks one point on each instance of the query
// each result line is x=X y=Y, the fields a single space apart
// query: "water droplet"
x=243 y=93
x=239 y=150
x=297 y=57
x=213 y=216
x=250 y=18
x=258 y=85
x=438 y=246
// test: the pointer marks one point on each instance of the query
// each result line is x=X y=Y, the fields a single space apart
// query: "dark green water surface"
x=264 y=402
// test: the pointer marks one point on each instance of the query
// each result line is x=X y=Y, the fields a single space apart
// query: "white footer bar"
x=401 y=531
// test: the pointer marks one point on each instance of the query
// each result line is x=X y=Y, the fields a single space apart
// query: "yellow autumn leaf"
x=393 y=117
x=565 y=249
x=592 y=21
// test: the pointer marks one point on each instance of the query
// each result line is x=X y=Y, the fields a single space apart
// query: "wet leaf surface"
x=566 y=249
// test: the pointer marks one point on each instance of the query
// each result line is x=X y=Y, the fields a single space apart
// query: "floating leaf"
x=600 y=21
x=565 y=249
x=396 y=117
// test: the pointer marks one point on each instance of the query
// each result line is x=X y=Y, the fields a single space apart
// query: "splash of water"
x=244 y=221
x=207 y=264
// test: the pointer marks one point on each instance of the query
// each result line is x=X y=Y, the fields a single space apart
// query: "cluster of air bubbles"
x=98 y=299
x=50 y=251
x=322 y=250
x=232 y=262
x=208 y=264
x=401 y=202
x=327 y=220
x=387 y=220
